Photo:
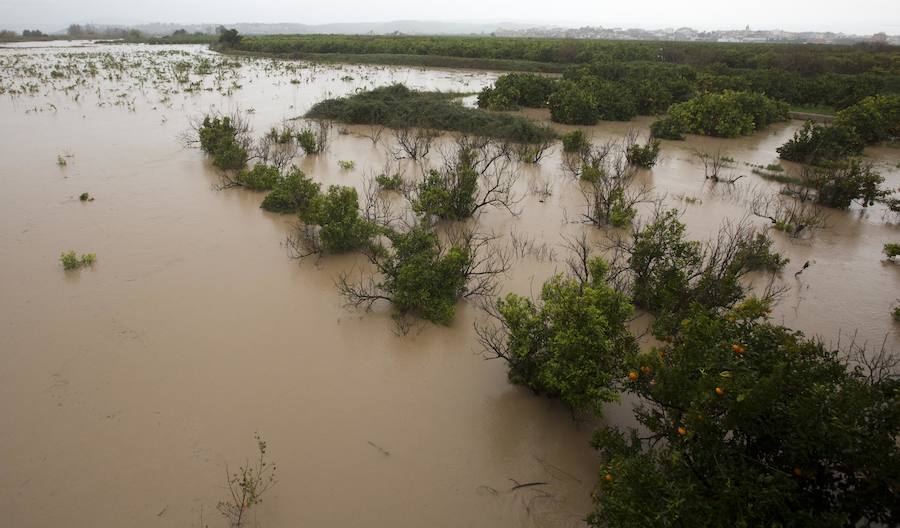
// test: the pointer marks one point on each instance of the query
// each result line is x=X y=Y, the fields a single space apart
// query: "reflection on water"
x=127 y=387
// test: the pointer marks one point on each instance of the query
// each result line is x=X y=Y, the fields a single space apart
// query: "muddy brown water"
x=127 y=388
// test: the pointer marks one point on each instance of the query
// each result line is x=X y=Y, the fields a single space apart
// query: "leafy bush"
x=346 y=164
x=667 y=128
x=85 y=197
x=261 y=177
x=293 y=193
x=517 y=89
x=669 y=274
x=574 y=141
x=840 y=185
x=393 y=182
x=820 y=144
x=643 y=155
x=399 y=107
x=71 y=261
x=219 y=138
x=573 y=105
x=875 y=118
x=572 y=344
x=892 y=250
x=448 y=194
x=727 y=114
x=423 y=279
x=337 y=213
x=746 y=423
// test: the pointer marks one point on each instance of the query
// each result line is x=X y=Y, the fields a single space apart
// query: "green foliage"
x=667 y=127
x=840 y=185
x=393 y=182
x=643 y=155
x=219 y=138
x=727 y=114
x=448 y=194
x=517 y=89
x=306 y=138
x=575 y=141
x=85 y=197
x=341 y=226
x=61 y=161
x=653 y=74
x=420 y=277
x=346 y=164
x=293 y=193
x=399 y=107
x=572 y=344
x=892 y=250
x=821 y=144
x=571 y=104
x=875 y=118
x=896 y=313
x=72 y=261
x=261 y=177
x=671 y=274
x=746 y=423
x=229 y=38
x=662 y=262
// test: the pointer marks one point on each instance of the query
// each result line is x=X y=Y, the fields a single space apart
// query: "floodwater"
x=126 y=388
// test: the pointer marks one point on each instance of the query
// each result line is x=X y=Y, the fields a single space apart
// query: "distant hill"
x=409 y=27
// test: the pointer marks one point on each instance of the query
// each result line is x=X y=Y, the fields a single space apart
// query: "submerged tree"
x=747 y=423
x=572 y=342
x=668 y=274
x=478 y=173
x=423 y=276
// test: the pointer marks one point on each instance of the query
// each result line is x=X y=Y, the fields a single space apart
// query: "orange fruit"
x=681 y=431
x=737 y=349
x=646 y=370
x=720 y=391
x=633 y=375
x=608 y=477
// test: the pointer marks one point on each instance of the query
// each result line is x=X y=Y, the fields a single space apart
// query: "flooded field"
x=127 y=387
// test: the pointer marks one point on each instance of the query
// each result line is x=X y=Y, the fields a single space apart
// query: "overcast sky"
x=860 y=16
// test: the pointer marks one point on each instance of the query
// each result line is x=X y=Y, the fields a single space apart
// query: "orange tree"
x=747 y=423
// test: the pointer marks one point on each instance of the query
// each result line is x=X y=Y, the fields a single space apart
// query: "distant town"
x=690 y=35
x=430 y=27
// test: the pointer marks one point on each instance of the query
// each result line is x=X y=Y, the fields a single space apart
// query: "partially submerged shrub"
x=727 y=114
x=260 y=178
x=247 y=486
x=645 y=155
x=337 y=215
x=346 y=164
x=743 y=422
x=72 y=261
x=891 y=250
x=852 y=181
x=574 y=141
x=513 y=90
x=571 y=344
x=293 y=193
x=669 y=273
x=393 y=182
x=399 y=107
x=422 y=276
x=818 y=144
x=223 y=137
x=477 y=174
x=85 y=197
x=875 y=118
